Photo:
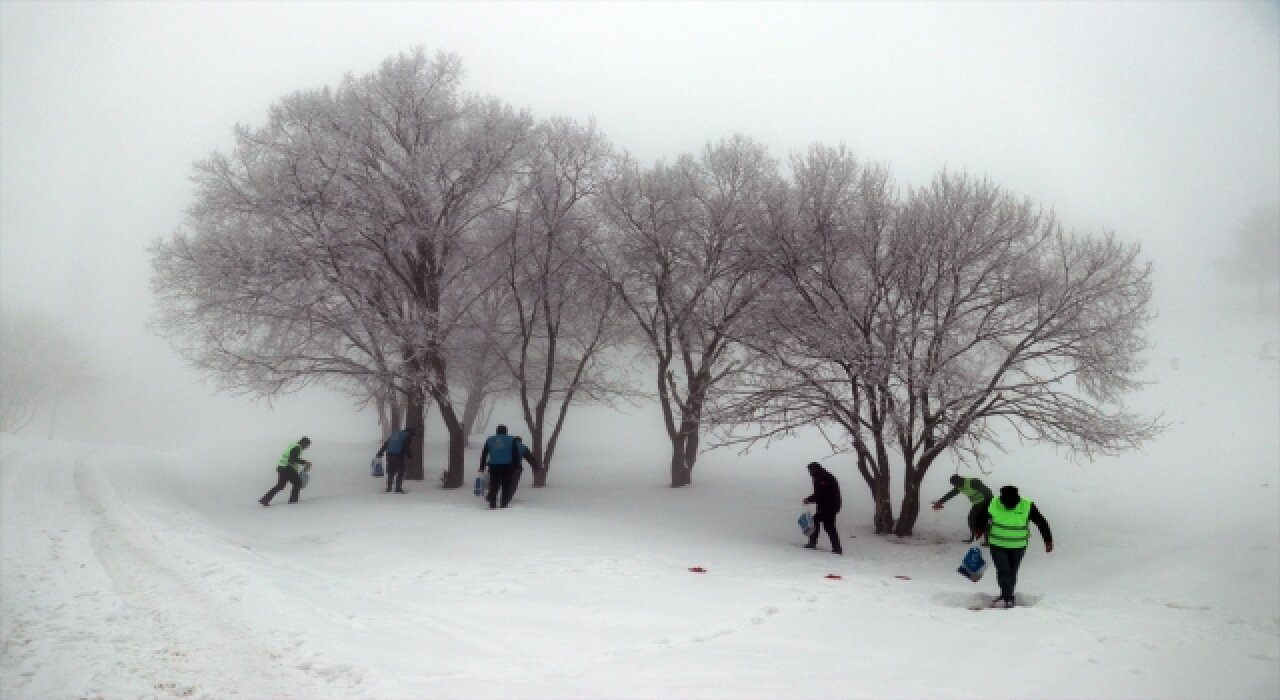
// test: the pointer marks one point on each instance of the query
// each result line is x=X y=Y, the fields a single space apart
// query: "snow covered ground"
x=130 y=573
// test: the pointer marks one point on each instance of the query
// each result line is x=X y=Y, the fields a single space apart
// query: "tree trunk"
x=883 y=517
x=455 y=473
x=686 y=446
x=413 y=468
x=384 y=421
x=681 y=474
x=877 y=480
x=910 y=502
x=540 y=475
x=470 y=412
x=482 y=424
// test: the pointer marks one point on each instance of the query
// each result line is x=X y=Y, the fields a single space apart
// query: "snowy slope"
x=131 y=573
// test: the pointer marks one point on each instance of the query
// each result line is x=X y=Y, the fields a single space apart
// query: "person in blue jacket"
x=502 y=454
x=397 y=448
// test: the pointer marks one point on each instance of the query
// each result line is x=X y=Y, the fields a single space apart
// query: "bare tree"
x=339 y=240
x=920 y=327
x=563 y=314
x=1255 y=258
x=684 y=266
x=40 y=366
x=477 y=362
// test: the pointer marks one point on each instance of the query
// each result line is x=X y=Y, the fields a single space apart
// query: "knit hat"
x=1009 y=496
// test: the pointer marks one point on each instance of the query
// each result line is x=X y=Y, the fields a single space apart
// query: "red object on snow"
x=697 y=570
x=904 y=578
x=836 y=576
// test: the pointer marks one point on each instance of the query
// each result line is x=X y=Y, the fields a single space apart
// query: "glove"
x=937 y=506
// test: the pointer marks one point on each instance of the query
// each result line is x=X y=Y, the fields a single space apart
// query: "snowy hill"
x=129 y=572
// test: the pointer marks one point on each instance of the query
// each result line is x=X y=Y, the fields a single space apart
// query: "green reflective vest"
x=974 y=495
x=1009 y=525
x=284 y=458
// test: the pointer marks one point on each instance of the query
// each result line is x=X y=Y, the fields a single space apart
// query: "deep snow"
x=129 y=572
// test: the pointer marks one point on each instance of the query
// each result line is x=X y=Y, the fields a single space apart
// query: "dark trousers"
x=501 y=477
x=395 y=472
x=286 y=476
x=1007 y=562
x=821 y=519
x=978 y=518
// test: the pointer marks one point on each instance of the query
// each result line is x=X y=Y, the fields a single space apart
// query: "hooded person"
x=287 y=471
x=397 y=448
x=978 y=494
x=826 y=496
x=1008 y=534
x=502 y=455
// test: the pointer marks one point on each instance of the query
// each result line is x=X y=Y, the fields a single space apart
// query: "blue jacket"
x=400 y=443
x=502 y=449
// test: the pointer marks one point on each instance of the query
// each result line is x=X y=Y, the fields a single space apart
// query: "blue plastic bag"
x=973 y=565
x=479 y=489
x=377 y=467
x=806 y=522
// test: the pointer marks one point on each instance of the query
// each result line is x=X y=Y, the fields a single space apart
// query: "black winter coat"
x=826 y=491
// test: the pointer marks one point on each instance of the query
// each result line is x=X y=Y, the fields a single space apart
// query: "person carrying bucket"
x=397 y=448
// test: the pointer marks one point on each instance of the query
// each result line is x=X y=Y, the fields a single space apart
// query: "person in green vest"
x=287 y=471
x=1006 y=528
x=978 y=494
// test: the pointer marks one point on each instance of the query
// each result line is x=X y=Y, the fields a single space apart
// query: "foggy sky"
x=1159 y=121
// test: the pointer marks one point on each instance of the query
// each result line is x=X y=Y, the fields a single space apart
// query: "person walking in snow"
x=503 y=454
x=397 y=448
x=526 y=455
x=978 y=494
x=1007 y=531
x=826 y=496
x=287 y=471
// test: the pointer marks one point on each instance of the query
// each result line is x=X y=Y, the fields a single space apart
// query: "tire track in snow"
x=179 y=621
x=116 y=600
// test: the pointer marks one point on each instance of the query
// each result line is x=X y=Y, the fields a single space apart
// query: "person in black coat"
x=826 y=496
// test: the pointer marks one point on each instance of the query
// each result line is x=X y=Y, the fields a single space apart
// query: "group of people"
x=1002 y=522
x=503 y=455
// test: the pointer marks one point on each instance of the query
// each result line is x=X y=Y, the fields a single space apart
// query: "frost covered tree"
x=683 y=262
x=477 y=366
x=562 y=314
x=906 y=329
x=41 y=365
x=338 y=241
